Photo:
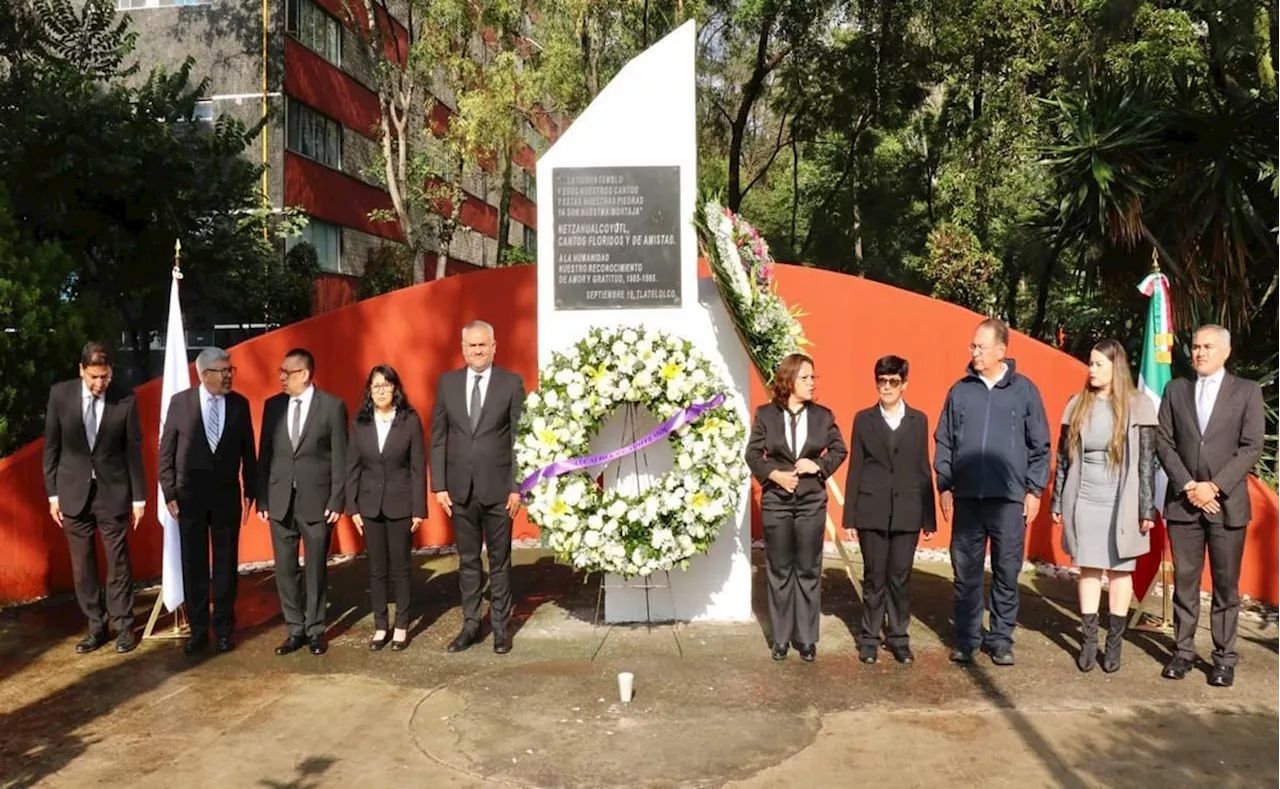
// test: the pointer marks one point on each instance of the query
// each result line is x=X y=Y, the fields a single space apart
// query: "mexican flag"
x=1154 y=374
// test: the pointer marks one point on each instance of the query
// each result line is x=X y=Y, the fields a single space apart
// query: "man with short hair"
x=473 y=429
x=93 y=474
x=992 y=461
x=1208 y=438
x=206 y=446
x=302 y=474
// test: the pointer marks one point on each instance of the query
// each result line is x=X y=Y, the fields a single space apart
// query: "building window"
x=326 y=238
x=316 y=29
x=313 y=135
x=530 y=186
x=204 y=111
x=531 y=239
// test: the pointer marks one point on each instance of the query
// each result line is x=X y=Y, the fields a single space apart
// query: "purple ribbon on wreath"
x=679 y=420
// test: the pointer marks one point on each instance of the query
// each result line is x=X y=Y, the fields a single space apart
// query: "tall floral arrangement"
x=743 y=270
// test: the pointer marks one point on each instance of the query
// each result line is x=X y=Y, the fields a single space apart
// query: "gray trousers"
x=304 y=611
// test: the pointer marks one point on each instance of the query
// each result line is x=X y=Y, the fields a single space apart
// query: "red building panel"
x=524 y=210
x=335 y=197
x=319 y=84
x=395 y=36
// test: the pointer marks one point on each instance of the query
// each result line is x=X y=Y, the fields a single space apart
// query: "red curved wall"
x=851 y=322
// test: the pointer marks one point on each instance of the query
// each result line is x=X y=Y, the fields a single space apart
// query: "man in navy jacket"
x=992 y=462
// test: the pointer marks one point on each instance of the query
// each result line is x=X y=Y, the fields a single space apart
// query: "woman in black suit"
x=794 y=446
x=387 y=494
x=889 y=490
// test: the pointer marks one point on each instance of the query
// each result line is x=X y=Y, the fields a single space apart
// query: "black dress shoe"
x=291 y=644
x=962 y=655
x=126 y=642
x=1001 y=655
x=376 y=644
x=501 y=644
x=1176 y=668
x=867 y=653
x=91 y=643
x=902 y=654
x=463 y=641
x=225 y=644
x=195 y=645
x=779 y=652
x=1222 y=676
x=399 y=646
x=807 y=652
x=317 y=645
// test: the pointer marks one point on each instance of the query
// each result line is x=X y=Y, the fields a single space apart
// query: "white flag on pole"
x=177 y=377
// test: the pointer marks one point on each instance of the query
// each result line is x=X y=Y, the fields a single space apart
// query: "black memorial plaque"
x=617 y=237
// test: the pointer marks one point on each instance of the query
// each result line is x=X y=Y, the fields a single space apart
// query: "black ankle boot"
x=1088 y=657
x=1115 y=639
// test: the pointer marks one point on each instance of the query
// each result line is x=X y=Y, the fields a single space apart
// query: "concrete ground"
x=711 y=708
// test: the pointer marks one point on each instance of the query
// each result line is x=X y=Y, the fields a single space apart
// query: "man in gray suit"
x=1208 y=439
x=473 y=429
x=302 y=468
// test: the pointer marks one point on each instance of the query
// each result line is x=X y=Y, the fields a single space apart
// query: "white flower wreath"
x=607 y=530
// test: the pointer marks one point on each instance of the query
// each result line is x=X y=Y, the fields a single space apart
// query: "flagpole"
x=1155 y=345
x=173 y=381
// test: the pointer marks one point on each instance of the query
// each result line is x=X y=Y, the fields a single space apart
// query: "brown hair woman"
x=1104 y=493
x=794 y=446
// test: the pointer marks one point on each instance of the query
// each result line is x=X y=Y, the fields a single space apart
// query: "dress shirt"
x=305 y=397
x=894 y=418
x=383 y=426
x=1207 y=389
x=219 y=405
x=802 y=429
x=484 y=376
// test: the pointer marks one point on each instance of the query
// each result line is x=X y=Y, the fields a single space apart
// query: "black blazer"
x=889 y=486
x=1224 y=454
x=391 y=482
x=767 y=449
x=317 y=468
x=480 y=463
x=188 y=469
x=116 y=459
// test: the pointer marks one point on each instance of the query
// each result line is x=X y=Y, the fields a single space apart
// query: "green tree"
x=41 y=328
x=387 y=267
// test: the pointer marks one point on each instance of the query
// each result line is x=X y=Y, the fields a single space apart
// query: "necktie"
x=795 y=421
x=91 y=422
x=213 y=425
x=1204 y=406
x=475 y=404
x=295 y=424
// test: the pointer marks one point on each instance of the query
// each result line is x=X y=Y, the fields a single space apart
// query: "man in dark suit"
x=302 y=474
x=473 y=429
x=1208 y=439
x=93 y=474
x=889 y=495
x=206 y=444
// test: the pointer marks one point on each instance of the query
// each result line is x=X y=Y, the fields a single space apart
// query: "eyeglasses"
x=892 y=383
x=383 y=387
x=225 y=372
x=290 y=373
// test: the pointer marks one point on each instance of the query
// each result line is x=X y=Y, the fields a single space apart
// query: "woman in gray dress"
x=1104 y=494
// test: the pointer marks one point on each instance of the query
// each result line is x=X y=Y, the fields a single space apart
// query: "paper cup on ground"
x=626 y=684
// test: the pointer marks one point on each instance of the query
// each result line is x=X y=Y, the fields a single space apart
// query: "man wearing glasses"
x=302 y=471
x=206 y=446
x=992 y=460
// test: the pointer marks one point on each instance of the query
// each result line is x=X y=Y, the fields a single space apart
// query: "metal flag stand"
x=629 y=418
x=1164 y=577
x=181 y=628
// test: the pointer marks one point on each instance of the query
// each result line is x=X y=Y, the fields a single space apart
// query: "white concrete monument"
x=627 y=166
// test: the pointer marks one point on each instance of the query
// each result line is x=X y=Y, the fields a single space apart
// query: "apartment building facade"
x=299 y=64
